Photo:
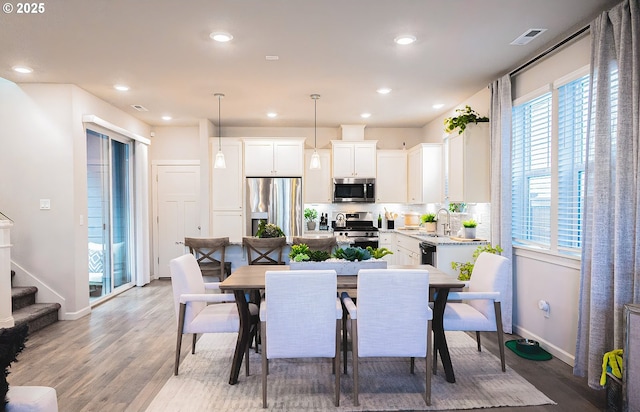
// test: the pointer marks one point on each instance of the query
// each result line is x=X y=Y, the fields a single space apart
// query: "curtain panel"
x=610 y=272
x=500 y=115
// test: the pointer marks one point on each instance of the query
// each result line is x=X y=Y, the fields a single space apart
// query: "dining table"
x=249 y=280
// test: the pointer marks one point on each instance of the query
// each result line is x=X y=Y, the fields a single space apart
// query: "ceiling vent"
x=527 y=36
x=139 y=108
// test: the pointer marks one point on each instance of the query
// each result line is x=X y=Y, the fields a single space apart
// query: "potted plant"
x=465 y=269
x=266 y=230
x=464 y=117
x=429 y=221
x=457 y=207
x=469 y=228
x=310 y=215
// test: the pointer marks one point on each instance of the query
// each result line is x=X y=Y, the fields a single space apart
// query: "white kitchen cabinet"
x=425 y=173
x=407 y=250
x=388 y=240
x=226 y=191
x=318 y=187
x=227 y=223
x=227 y=184
x=281 y=157
x=469 y=165
x=391 y=176
x=354 y=159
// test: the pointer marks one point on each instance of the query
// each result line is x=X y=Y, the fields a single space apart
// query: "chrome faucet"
x=447 y=226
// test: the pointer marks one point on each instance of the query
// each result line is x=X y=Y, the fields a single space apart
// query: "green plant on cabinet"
x=310 y=214
x=464 y=117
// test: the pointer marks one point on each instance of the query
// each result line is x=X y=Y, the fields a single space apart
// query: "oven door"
x=363 y=242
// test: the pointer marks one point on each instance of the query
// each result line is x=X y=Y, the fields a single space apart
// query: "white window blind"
x=531 y=171
x=573 y=112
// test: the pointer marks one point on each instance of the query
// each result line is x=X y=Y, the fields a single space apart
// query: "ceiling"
x=343 y=50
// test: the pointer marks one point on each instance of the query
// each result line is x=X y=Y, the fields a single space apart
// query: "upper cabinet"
x=317 y=183
x=469 y=165
x=426 y=174
x=354 y=159
x=391 y=179
x=281 y=157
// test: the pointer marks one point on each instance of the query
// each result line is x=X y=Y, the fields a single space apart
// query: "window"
x=548 y=165
x=531 y=171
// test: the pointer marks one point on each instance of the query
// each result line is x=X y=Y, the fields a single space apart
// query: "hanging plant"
x=464 y=117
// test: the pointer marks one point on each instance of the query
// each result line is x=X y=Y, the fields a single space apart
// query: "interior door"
x=178 y=211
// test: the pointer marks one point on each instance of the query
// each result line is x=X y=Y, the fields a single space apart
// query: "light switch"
x=45 y=204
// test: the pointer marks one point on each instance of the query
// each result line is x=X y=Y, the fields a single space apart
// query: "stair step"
x=23 y=296
x=38 y=315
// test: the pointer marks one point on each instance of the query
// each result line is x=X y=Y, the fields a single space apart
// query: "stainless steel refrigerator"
x=277 y=200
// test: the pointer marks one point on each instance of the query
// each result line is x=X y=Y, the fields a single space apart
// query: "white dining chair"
x=198 y=311
x=392 y=318
x=300 y=317
x=478 y=309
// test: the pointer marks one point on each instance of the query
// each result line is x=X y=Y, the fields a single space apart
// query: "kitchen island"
x=439 y=251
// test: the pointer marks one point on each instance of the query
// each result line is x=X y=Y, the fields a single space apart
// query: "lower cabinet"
x=228 y=223
x=407 y=250
x=388 y=240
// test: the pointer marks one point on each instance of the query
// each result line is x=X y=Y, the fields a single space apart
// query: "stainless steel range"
x=357 y=227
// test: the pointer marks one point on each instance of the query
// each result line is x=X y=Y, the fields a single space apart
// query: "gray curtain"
x=500 y=115
x=610 y=275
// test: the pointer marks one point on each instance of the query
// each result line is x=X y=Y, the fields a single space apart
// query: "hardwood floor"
x=118 y=358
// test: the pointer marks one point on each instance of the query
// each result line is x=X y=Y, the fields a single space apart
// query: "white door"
x=178 y=211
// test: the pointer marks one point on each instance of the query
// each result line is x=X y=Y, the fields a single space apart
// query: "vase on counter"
x=469 y=232
x=311 y=225
x=430 y=227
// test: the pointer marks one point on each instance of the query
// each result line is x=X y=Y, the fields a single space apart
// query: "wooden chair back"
x=264 y=251
x=326 y=244
x=204 y=249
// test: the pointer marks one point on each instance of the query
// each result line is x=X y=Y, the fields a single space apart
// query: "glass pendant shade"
x=315 y=160
x=220 y=163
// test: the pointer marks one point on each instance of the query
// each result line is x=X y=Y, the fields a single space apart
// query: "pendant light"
x=315 y=157
x=219 y=163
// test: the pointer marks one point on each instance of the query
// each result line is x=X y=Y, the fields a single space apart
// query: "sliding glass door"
x=109 y=216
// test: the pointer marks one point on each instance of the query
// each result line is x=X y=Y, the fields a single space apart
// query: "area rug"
x=307 y=385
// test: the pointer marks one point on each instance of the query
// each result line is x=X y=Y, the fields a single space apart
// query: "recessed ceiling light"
x=221 y=36
x=365 y=115
x=384 y=90
x=22 y=69
x=405 y=39
x=438 y=106
x=272 y=115
x=121 y=87
x=166 y=117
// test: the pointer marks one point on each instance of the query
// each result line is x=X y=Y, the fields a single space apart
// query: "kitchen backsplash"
x=481 y=212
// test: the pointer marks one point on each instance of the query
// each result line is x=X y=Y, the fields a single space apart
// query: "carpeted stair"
x=25 y=309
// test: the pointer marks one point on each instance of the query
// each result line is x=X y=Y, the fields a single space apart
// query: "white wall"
x=175 y=143
x=43 y=156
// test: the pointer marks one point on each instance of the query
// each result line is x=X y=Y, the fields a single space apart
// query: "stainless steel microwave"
x=354 y=190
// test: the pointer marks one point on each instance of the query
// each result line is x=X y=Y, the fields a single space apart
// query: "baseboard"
x=566 y=357
x=75 y=315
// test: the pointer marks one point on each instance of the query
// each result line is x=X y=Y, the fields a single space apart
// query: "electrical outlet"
x=543 y=305
x=45 y=204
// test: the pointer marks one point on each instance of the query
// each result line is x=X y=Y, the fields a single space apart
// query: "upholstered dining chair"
x=480 y=309
x=288 y=331
x=264 y=251
x=392 y=318
x=326 y=244
x=198 y=311
x=205 y=250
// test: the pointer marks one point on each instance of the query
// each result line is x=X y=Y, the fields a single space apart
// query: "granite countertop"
x=438 y=240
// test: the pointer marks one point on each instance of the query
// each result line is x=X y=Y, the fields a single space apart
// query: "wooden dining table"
x=250 y=280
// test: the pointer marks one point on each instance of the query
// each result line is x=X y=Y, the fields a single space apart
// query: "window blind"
x=531 y=171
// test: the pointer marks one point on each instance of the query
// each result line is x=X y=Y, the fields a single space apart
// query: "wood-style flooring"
x=118 y=357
